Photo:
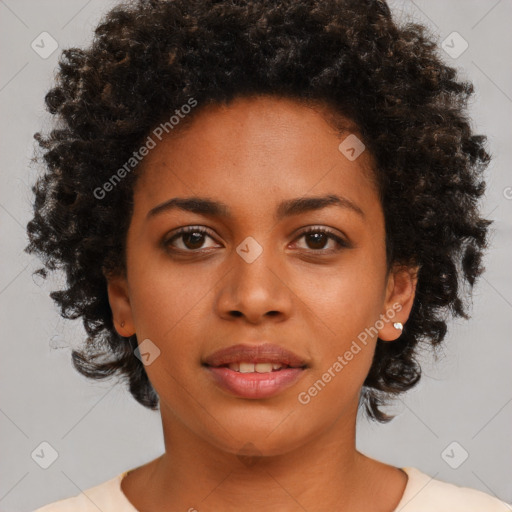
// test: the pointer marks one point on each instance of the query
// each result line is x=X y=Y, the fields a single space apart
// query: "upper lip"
x=262 y=353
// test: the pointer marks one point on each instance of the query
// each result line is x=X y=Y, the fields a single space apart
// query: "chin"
x=254 y=435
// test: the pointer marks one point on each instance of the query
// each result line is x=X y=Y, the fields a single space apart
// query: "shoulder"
x=426 y=494
x=105 y=496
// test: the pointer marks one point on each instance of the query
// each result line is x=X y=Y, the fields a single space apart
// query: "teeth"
x=263 y=367
x=258 y=367
x=246 y=368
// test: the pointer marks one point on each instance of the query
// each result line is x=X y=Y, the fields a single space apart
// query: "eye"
x=192 y=239
x=316 y=237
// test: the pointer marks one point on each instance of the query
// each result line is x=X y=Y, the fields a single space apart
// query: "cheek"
x=168 y=309
x=343 y=306
x=344 y=300
x=344 y=349
x=163 y=297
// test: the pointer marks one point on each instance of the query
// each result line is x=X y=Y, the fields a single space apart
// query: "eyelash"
x=193 y=229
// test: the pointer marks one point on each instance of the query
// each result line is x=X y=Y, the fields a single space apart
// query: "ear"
x=119 y=300
x=400 y=293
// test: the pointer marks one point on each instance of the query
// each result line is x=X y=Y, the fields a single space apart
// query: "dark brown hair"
x=149 y=57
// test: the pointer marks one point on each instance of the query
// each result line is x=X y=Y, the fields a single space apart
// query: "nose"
x=255 y=291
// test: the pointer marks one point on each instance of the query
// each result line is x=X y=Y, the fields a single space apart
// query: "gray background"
x=99 y=431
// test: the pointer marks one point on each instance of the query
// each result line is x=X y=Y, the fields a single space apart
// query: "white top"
x=422 y=494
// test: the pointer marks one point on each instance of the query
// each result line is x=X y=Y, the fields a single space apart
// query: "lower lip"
x=255 y=385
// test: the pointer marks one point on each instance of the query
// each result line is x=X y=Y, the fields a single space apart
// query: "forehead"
x=251 y=148
x=255 y=119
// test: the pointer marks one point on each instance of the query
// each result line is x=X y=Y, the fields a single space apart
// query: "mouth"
x=255 y=371
x=255 y=367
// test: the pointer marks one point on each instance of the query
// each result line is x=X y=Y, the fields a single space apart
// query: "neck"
x=324 y=473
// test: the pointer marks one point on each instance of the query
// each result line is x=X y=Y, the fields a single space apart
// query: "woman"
x=262 y=209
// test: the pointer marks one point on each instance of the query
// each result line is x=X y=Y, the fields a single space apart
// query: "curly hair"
x=149 y=57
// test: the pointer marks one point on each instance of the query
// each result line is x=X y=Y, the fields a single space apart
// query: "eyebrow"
x=209 y=207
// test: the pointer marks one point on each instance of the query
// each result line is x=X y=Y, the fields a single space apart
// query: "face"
x=281 y=268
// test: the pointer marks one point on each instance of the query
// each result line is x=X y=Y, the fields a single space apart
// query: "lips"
x=255 y=354
x=255 y=371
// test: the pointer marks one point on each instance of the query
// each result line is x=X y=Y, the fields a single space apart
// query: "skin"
x=312 y=297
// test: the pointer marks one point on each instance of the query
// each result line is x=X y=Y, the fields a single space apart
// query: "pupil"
x=318 y=238
x=196 y=239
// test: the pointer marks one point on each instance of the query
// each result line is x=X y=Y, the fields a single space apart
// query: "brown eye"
x=192 y=239
x=317 y=238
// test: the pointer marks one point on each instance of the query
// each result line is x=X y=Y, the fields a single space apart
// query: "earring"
x=398 y=325
x=122 y=323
